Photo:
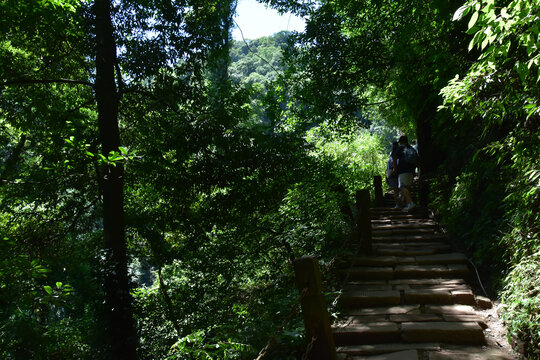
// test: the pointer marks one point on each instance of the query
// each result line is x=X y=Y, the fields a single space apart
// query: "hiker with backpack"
x=405 y=160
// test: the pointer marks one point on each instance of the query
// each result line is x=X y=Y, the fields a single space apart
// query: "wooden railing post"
x=316 y=318
x=364 y=220
x=377 y=184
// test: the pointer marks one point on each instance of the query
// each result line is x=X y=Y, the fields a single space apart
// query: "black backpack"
x=410 y=156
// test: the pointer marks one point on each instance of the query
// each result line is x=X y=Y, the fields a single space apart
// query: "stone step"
x=382 y=260
x=370 y=273
x=411 y=251
x=392 y=210
x=445 y=332
x=406 y=284
x=370 y=298
x=410 y=245
x=409 y=332
x=396 y=225
x=439 y=296
x=467 y=353
x=449 y=258
x=377 y=349
x=442 y=310
x=416 y=316
x=431 y=271
x=433 y=259
x=449 y=309
x=399 y=215
x=400 y=355
x=403 y=231
x=428 y=237
x=366 y=298
x=411 y=222
x=423 y=283
x=389 y=310
x=370 y=333
x=407 y=272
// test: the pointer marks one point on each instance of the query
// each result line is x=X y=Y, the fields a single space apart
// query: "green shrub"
x=521 y=297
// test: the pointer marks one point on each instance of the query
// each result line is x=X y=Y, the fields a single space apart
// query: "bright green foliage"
x=255 y=64
x=522 y=301
x=230 y=162
x=218 y=198
x=494 y=105
x=258 y=61
x=508 y=66
x=355 y=158
x=499 y=100
x=356 y=56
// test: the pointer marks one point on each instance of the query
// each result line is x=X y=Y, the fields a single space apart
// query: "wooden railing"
x=314 y=310
x=308 y=276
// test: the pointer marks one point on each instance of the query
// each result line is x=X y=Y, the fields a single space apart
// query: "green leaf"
x=471 y=44
x=531 y=45
x=506 y=48
x=59 y=284
x=474 y=19
x=476 y=39
x=522 y=70
x=48 y=289
x=461 y=12
x=485 y=42
x=472 y=30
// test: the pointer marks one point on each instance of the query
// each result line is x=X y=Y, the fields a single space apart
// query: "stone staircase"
x=411 y=298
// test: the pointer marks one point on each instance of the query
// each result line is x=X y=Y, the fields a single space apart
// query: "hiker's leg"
x=406 y=194
x=396 y=195
x=405 y=181
x=393 y=183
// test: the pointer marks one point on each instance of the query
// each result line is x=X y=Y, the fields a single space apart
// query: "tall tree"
x=121 y=326
x=73 y=82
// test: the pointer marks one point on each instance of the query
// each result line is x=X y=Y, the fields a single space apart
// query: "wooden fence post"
x=377 y=184
x=316 y=318
x=364 y=220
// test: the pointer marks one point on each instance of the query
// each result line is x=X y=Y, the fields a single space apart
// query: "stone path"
x=411 y=299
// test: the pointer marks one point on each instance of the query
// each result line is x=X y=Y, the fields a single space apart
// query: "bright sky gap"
x=256 y=20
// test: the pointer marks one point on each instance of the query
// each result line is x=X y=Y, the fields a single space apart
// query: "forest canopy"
x=158 y=178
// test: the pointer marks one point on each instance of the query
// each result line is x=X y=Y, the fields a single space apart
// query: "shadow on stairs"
x=411 y=298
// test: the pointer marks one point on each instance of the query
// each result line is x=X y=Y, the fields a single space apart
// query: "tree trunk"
x=121 y=329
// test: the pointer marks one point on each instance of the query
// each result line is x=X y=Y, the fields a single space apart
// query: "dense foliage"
x=216 y=201
x=497 y=101
x=223 y=158
x=259 y=60
x=465 y=77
